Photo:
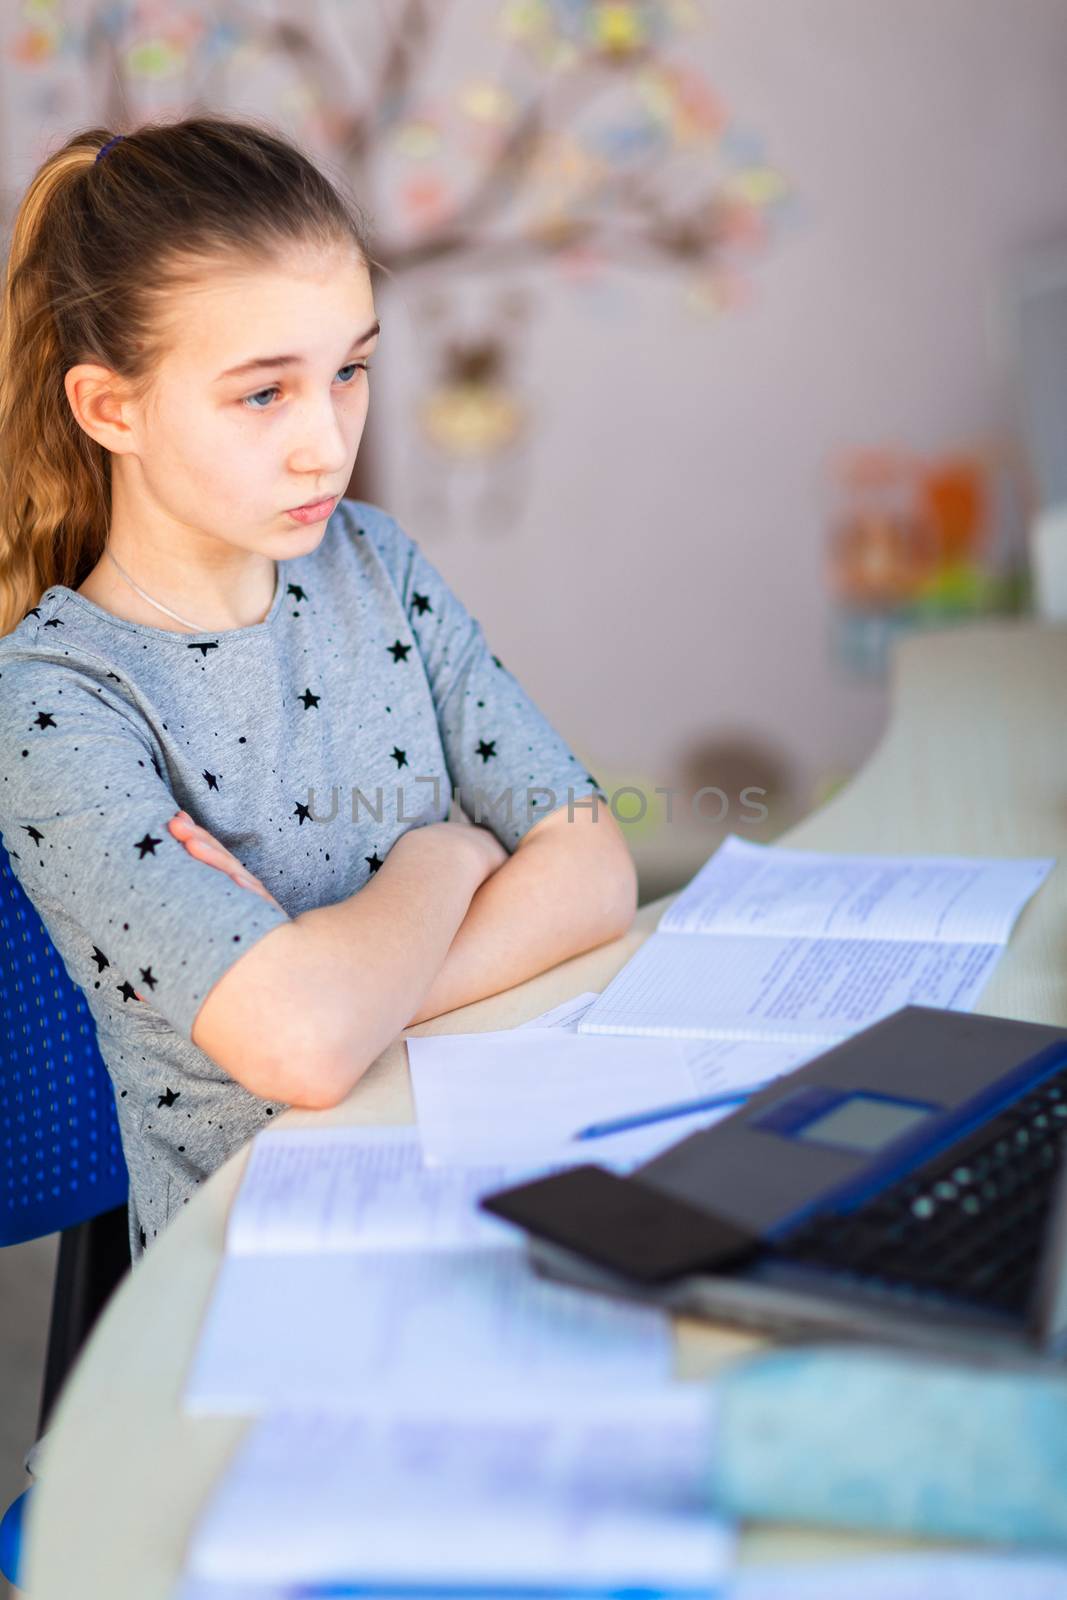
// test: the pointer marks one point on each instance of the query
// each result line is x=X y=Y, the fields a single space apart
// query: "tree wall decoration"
x=576 y=140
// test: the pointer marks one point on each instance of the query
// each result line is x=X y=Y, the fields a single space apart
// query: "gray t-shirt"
x=306 y=743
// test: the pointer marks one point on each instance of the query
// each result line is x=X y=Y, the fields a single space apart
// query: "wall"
x=666 y=576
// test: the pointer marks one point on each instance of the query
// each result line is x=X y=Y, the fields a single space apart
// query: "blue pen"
x=682 y=1108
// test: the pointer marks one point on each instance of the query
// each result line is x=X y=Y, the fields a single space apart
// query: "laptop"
x=907 y=1186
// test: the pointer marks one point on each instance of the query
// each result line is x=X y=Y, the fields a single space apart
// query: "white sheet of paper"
x=504 y=1097
x=566 y=1015
x=793 y=990
x=719 y=1066
x=615 y=1500
x=770 y=890
x=414 y=1328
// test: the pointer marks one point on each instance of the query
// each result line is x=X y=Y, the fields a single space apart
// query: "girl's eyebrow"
x=288 y=361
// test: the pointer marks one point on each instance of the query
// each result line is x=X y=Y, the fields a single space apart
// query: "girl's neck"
x=107 y=588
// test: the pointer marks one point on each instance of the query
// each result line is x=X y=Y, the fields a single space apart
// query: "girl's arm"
x=569 y=886
x=341 y=981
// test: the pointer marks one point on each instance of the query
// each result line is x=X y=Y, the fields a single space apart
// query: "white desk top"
x=974 y=762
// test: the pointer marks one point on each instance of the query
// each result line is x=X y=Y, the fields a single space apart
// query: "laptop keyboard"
x=967 y=1224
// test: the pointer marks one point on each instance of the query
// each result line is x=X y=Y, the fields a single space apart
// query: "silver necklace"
x=159 y=607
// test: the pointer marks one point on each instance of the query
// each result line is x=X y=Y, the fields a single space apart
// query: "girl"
x=233 y=704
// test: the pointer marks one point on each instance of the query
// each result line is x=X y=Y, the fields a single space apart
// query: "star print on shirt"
x=373 y=861
x=148 y=977
x=141 y=1236
x=35 y=834
x=55 y=623
x=34 y=611
x=421 y=602
x=399 y=756
x=303 y=812
x=203 y=648
x=126 y=990
x=497 y=662
x=147 y=846
x=169 y=1098
x=211 y=779
x=115 y=676
x=485 y=750
x=309 y=699
x=156 y=765
x=100 y=958
x=45 y=719
x=296 y=591
x=398 y=651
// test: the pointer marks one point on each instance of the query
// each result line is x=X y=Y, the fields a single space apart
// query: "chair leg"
x=93 y=1259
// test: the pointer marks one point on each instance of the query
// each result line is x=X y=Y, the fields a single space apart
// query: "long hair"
x=97 y=248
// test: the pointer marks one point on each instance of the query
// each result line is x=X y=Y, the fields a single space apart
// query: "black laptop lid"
x=858 y=1114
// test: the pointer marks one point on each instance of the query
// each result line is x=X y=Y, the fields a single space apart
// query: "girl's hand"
x=205 y=847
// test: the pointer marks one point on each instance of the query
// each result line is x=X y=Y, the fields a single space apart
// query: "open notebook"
x=354 y=1276
x=555 y=1504
x=803 y=947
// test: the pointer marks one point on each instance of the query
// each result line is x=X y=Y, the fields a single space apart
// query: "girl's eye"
x=352 y=367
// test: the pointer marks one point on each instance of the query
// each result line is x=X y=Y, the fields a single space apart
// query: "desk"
x=974 y=762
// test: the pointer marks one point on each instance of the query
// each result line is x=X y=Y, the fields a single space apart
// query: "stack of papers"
x=434 y=1417
x=800 y=947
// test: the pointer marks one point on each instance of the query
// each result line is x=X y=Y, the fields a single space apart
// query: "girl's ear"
x=95 y=397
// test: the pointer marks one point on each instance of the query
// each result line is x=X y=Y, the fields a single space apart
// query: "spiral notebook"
x=806 y=947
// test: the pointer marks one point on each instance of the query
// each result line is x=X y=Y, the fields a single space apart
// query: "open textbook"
x=805 y=948
x=554 y=1503
x=355 y=1277
x=925 y=1575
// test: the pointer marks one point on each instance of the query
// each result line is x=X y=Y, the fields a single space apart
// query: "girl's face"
x=217 y=454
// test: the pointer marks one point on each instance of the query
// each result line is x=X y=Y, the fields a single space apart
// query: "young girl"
x=234 y=706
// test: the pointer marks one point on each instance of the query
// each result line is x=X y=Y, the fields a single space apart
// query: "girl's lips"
x=315 y=512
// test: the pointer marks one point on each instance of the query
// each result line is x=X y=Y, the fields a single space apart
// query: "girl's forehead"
x=258 y=312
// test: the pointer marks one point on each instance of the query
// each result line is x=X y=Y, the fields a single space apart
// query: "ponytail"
x=54 y=479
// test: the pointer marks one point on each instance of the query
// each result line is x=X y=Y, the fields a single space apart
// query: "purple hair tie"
x=106 y=147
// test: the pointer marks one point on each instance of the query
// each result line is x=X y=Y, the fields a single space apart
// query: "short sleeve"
x=510 y=766
x=84 y=810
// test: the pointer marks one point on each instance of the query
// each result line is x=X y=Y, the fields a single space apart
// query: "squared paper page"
x=504 y=1097
x=615 y=1500
x=411 y=1327
x=793 y=990
x=772 y=891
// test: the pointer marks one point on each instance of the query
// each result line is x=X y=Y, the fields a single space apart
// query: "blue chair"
x=61 y=1162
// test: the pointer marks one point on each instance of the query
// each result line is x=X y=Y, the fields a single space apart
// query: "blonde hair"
x=96 y=249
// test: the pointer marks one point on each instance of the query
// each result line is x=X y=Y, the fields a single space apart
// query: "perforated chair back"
x=61 y=1159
